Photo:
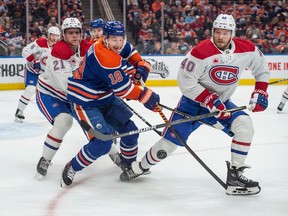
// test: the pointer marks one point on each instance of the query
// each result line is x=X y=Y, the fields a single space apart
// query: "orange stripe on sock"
x=80 y=113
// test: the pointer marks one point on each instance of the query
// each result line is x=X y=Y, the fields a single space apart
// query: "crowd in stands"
x=42 y=15
x=186 y=22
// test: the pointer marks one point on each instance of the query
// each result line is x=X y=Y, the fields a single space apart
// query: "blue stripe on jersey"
x=50 y=146
x=238 y=152
x=52 y=91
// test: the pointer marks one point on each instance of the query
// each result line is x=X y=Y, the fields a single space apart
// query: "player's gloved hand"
x=258 y=101
x=35 y=66
x=141 y=73
x=150 y=99
x=142 y=70
x=213 y=104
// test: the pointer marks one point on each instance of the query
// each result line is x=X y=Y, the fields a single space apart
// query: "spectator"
x=188 y=34
x=173 y=49
x=157 y=48
x=183 y=46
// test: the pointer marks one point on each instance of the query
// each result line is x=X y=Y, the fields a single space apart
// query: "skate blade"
x=38 y=176
x=62 y=183
x=18 y=120
x=148 y=172
x=241 y=191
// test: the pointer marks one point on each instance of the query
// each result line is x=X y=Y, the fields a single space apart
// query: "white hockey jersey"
x=206 y=69
x=39 y=50
x=60 y=66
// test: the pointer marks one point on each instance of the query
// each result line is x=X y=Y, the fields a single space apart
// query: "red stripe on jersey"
x=241 y=143
x=150 y=153
x=202 y=96
x=30 y=58
x=27 y=99
x=54 y=139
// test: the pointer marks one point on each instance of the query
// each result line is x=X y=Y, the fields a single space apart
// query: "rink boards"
x=163 y=73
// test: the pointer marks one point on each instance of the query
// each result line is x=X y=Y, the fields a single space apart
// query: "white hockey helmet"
x=224 y=21
x=54 y=30
x=71 y=22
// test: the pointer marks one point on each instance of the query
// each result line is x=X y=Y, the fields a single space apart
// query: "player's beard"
x=221 y=44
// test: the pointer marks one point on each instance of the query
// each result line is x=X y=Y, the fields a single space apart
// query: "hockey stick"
x=192 y=152
x=187 y=116
x=105 y=137
x=143 y=119
x=277 y=81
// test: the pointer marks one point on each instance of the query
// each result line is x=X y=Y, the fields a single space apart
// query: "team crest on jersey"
x=224 y=75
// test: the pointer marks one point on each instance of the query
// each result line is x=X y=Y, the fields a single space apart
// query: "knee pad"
x=29 y=91
x=242 y=127
x=62 y=124
x=129 y=140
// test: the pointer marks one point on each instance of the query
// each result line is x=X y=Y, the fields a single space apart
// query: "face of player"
x=222 y=38
x=52 y=39
x=96 y=33
x=115 y=43
x=73 y=36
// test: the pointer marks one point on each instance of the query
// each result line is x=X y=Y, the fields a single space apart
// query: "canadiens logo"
x=224 y=75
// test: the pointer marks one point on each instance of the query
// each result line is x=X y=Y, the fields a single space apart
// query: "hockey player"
x=52 y=88
x=96 y=30
x=283 y=101
x=36 y=54
x=207 y=80
x=94 y=96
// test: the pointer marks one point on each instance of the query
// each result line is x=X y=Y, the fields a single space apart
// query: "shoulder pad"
x=206 y=45
x=42 y=42
x=84 y=46
x=62 y=50
x=106 y=57
x=243 y=45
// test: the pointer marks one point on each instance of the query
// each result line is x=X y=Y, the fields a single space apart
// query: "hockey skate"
x=238 y=184
x=133 y=171
x=67 y=175
x=19 y=117
x=280 y=106
x=42 y=168
x=116 y=158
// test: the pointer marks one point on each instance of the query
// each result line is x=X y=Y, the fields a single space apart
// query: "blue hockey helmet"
x=97 y=23
x=115 y=28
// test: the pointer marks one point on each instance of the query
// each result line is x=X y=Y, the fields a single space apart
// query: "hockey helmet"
x=224 y=21
x=54 y=30
x=97 y=23
x=71 y=22
x=115 y=28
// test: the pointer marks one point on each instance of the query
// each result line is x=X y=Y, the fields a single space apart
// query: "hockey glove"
x=150 y=99
x=213 y=104
x=258 y=101
x=142 y=70
x=141 y=73
x=35 y=66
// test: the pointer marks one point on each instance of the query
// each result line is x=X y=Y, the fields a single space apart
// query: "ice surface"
x=176 y=186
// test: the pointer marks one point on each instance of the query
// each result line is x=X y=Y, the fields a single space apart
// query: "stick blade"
x=95 y=133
